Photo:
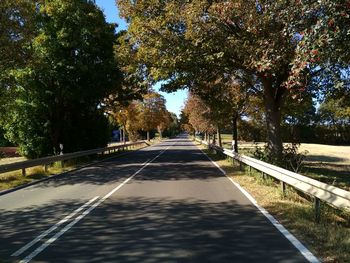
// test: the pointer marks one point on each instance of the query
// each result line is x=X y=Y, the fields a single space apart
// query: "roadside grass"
x=333 y=174
x=329 y=240
x=327 y=163
x=14 y=179
x=8 y=160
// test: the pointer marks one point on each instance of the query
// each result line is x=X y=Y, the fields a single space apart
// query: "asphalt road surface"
x=165 y=203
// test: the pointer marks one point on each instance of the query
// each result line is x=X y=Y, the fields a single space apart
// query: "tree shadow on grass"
x=324 y=158
x=334 y=174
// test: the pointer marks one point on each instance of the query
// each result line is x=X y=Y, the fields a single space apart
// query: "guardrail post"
x=250 y=170
x=283 y=188
x=62 y=164
x=46 y=168
x=23 y=172
x=317 y=206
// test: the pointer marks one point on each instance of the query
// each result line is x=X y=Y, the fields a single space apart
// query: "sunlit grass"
x=327 y=163
x=329 y=239
x=11 y=160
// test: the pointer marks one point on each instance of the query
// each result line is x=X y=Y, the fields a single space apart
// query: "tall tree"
x=180 y=41
x=59 y=94
x=164 y=122
x=227 y=99
x=129 y=118
x=199 y=115
x=152 y=109
x=17 y=29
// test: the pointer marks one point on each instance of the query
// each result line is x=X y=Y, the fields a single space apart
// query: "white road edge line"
x=296 y=243
x=86 y=212
x=54 y=227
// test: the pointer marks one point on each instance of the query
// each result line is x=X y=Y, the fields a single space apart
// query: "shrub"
x=291 y=159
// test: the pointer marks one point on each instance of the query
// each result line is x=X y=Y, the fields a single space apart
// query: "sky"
x=175 y=100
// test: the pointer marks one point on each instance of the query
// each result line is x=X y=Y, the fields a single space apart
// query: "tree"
x=121 y=116
x=199 y=115
x=184 y=123
x=59 y=94
x=180 y=41
x=152 y=110
x=173 y=126
x=17 y=29
x=227 y=99
x=334 y=118
x=164 y=122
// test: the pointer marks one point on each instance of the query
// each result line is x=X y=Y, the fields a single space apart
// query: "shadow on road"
x=190 y=214
x=167 y=167
x=155 y=230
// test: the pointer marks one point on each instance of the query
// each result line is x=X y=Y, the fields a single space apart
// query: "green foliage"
x=173 y=127
x=17 y=27
x=3 y=141
x=274 y=46
x=291 y=159
x=151 y=111
x=251 y=131
x=59 y=93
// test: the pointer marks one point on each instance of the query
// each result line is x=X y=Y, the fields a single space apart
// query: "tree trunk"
x=56 y=140
x=219 y=136
x=160 y=134
x=273 y=99
x=124 y=137
x=148 y=137
x=205 y=136
x=235 y=133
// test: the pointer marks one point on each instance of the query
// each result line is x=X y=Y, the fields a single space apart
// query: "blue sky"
x=175 y=100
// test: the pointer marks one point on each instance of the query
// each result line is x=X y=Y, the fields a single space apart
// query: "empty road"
x=165 y=203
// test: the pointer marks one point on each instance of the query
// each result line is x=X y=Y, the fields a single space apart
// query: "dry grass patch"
x=13 y=179
x=9 y=160
x=329 y=240
x=326 y=153
x=327 y=163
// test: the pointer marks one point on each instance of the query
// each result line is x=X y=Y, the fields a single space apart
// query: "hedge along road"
x=165 y=203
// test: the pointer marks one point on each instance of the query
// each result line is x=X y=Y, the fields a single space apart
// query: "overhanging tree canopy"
x=182 y=41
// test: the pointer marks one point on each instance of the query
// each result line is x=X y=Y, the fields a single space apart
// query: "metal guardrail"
x=63 y=157
x=332 y=195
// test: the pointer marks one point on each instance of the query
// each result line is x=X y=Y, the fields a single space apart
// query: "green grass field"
x=327 y=163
